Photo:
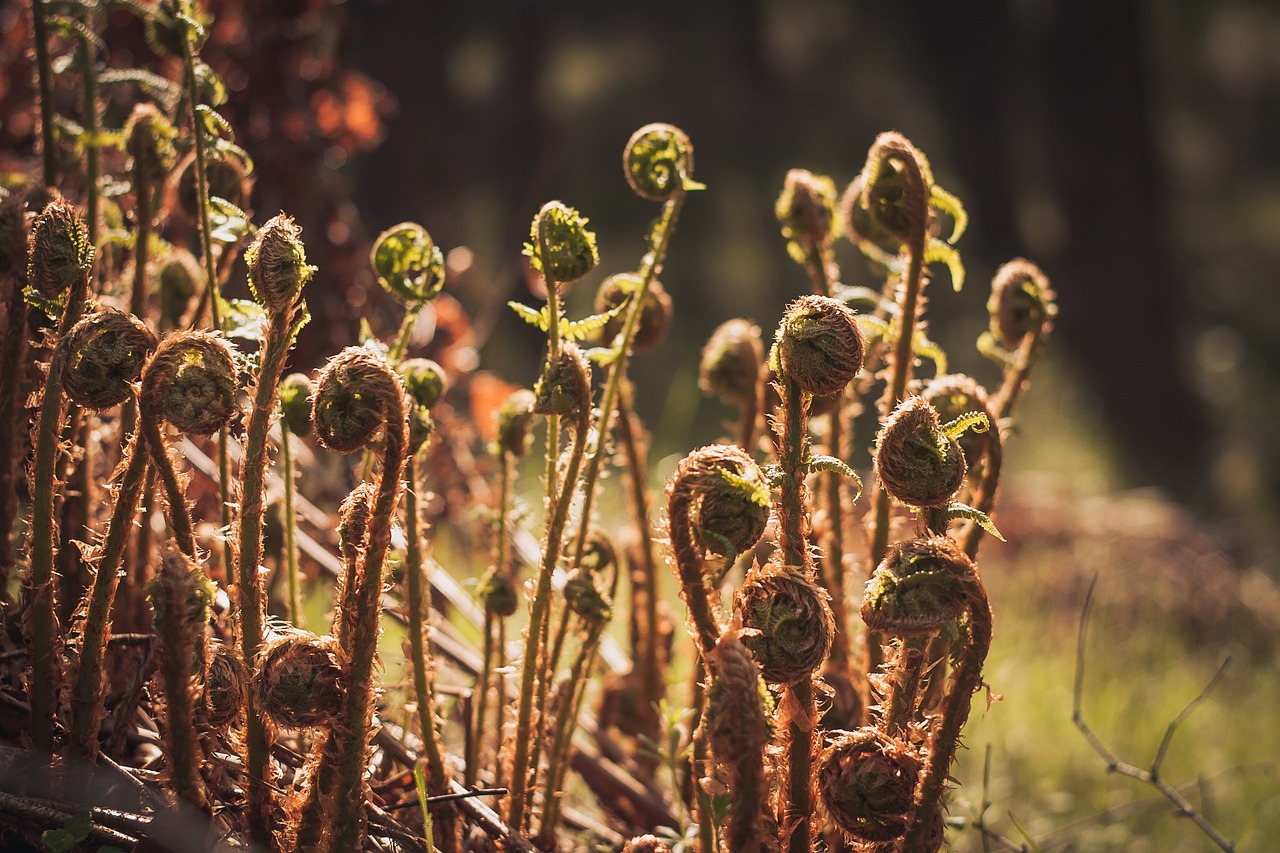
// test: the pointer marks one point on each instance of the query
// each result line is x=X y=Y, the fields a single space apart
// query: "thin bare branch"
x=1150 y=776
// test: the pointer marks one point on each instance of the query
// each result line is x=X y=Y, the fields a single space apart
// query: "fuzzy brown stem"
x=253 y=469
x=175 y=500
x=296 y=616
x=13 y=347
x=966 y=681
x=444 y=822
x=211 y=295
x=86 y=694
x=490 y=619
x=561 y=742
x=793 y=526
x=533 y=677
x=646 y=651
x=44 y=476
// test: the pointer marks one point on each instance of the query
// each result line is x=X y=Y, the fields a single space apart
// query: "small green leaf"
x=541 y=319
x=242 y=319
x=958 y=510
x=603 y=356
x=230 y=224
x=214 y=124
x=420 y=782
x=939 y=252
x=976 y=421
x=940 y=199
x=163 y=90
x=873 y=328
x=879 y=256
x=836 y=466
x=755 y=492
x=580 y=330
x=69 y=835
x=857 y=297
x=926 y=348
x=991 y=348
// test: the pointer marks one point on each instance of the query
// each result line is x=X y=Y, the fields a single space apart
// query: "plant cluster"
x=814 y=716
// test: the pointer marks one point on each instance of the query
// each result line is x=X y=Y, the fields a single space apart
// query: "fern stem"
x=44 y=79
x=490 y=618
x=649 y=268
x=86 y=695
x=47 y=440
x=296 y=616
x=562 y=738
x=253 y=468
x=532 y=680
x=646 y=642
x=211 y=281
x=446 y=832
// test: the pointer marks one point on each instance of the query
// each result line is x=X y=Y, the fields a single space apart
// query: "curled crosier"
x=658 y=161
x=1021 y=303
x=888 y=203
x=806 y=209
x=718 y=502
x=191 y=383
x=565 y=386
x=295 y=403
x=299 y=680
x=819 y=345
x=787 y=623
x=150 y=138
x=58 y=252
x=955 y=395
x=408 y=263
x=867 y=782
x=560 y=246
x=920 y=586
x=917 y=462
x=277 y=262
x=731 y=362
x=102 y=356
x=655 y=312
x=354 y=396
x=225 y=682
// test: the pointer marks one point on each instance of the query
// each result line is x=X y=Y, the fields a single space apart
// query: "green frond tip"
x=580 y=330
x=879 y=256
x=957 y=510
x=941 y=200
x=754 y=491
x=857 y=297
x=939 y=252
x=561 y=233
x=926 y=348
x=242 y=319
x=603 y=356
x=420 y=782
x=873 y=328
x=408 y=263
x=532 y=316
x=572 y=330
x=975 y=421
x=990 y=347
x=229 y=223
x=836 y=466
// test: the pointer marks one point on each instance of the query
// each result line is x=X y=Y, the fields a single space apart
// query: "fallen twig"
x=1150 y=776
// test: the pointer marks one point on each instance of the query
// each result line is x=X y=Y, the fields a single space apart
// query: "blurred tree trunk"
x=1118 y=288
